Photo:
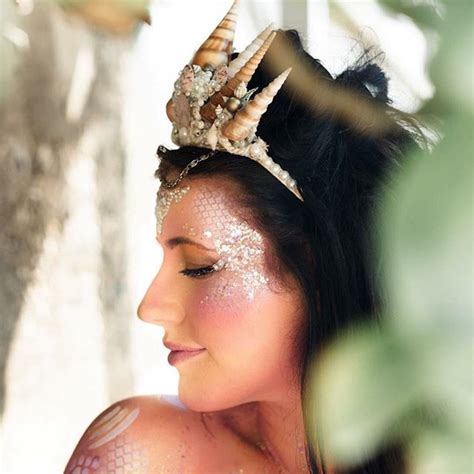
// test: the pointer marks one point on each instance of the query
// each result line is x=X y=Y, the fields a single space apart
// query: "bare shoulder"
x=153 y=433
x=139 y=434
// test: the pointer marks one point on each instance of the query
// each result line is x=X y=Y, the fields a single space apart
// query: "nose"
x=160 y=304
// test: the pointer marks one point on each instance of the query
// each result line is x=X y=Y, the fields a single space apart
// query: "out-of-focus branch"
x=115 y=16
x=323 y=96
x=341 y=17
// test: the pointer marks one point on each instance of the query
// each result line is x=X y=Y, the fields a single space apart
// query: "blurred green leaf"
x=427 y=236
x=412 y=378
x=441 y=450
x=363 y=387
x=425 y=15
x=452 y=69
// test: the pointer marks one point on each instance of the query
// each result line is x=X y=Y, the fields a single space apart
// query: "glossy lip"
x=172 y=346
x=178 y=356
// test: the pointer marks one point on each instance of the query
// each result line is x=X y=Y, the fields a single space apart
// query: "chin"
x=207 y=399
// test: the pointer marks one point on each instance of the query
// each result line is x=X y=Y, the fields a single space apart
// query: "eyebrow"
x=175 y=241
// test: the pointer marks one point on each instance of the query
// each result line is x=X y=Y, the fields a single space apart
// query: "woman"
x=263 y=265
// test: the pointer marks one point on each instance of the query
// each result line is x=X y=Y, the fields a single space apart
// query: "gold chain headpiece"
x=211 y=107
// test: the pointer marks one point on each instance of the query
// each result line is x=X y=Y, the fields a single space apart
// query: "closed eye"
x=198 y=272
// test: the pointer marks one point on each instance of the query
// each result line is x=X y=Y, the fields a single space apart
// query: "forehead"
x=199 y=202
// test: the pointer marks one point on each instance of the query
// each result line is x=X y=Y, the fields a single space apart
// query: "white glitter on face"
x=164 y=198
x=239 y=246
x=190 y=230
x=241 y=252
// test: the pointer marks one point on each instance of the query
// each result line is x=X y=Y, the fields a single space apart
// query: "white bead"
x=255 y=151
x=183 y=136
x=275 y=168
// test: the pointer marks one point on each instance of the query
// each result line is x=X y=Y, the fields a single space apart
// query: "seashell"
x=240 y=91
x=221 y=74
x=243 y=75
x=182 y=111
x=240 y=127
x=211 y=137
x=186 y=79
x=170 y=110
x=249 y=51
x=216 y=49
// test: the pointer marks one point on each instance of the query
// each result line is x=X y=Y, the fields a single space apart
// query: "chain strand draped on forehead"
x=171 y=184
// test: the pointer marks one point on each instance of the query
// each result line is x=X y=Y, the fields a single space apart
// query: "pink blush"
x=221 y=300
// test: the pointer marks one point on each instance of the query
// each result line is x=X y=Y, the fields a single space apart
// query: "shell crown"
x=211 y=106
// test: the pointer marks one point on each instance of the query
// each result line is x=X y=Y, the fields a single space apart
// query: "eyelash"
x=198 y=272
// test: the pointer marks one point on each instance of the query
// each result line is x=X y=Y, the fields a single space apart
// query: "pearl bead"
x=233 y=104
x=255 y=151
x=275 y=168
x=183 y=136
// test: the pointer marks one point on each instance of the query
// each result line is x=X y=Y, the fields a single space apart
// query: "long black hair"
x=326 y=242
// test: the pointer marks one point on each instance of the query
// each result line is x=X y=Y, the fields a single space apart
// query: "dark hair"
x=326 y=242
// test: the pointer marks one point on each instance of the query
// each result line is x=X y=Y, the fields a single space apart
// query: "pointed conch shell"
x=243 y=75
x=249 y=51
x=216 y=49
x=247 y=118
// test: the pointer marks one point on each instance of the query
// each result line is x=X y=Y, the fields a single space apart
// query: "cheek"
x=221 y=302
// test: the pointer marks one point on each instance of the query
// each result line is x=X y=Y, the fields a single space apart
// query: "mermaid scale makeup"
x=240 y=269
x=164 y=199
x=121 y=454
x=239 y=246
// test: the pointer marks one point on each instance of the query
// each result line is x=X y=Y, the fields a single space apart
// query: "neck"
x=275 y=427
x=281 y=429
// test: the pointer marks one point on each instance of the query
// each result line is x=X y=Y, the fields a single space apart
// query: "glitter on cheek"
x=164 y=198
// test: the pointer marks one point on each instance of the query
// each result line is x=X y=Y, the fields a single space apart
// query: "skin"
x=245 y=381
x=107 y=446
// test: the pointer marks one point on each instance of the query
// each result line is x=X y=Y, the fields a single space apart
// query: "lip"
x=173 y=346
x=179 y=356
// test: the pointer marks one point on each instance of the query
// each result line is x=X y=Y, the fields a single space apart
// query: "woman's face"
x=238 y=311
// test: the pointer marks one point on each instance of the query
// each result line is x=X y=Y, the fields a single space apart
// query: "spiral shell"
x=248 y=117
x=216 y=49
x=243 y=75
x=249 y=51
